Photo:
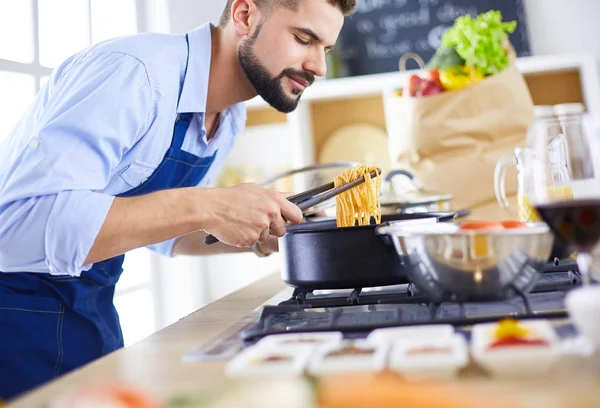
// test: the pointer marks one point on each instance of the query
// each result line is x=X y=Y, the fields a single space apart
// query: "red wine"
x=576 y=221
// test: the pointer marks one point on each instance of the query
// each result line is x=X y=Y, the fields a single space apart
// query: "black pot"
x=319 y=255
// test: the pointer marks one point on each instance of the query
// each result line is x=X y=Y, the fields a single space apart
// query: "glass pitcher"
x=523 y=159
x=521 y=155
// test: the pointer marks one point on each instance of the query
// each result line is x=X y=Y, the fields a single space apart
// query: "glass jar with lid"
x=580 y=148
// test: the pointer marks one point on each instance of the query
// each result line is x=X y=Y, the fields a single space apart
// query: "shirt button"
x=34 y=143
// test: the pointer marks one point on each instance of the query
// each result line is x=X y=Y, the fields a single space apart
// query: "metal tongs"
x=314 y=196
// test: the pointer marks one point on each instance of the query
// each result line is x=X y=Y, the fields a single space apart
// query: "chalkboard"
x=380 y=31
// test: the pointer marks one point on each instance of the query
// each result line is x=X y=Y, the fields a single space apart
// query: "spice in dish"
x=301 y=341
x=273 y=358
x=351 y=350
x=509 y=332
x=429 y=350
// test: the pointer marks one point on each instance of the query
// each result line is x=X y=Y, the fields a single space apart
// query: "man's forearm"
x=193 y=244
x=135 y=222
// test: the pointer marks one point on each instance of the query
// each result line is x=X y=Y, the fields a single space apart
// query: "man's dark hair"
x=267 y=6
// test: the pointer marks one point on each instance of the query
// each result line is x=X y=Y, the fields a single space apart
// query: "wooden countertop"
x=155 y=363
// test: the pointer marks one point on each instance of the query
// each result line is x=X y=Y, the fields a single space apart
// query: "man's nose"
x=317 y=63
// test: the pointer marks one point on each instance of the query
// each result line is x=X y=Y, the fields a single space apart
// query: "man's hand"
x=239 y=216
x=268 y=247
x=247 y=213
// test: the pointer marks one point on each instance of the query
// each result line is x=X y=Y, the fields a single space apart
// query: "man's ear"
x=245 y=15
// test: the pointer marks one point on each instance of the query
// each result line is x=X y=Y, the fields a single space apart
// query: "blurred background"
x=342 y=118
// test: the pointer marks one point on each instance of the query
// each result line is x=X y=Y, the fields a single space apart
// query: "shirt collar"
x=195 y=84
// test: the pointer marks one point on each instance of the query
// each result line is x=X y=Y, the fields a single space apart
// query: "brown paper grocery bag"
x=452 y=141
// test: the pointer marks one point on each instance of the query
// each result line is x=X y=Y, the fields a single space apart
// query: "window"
x=16 y=24
x=43 y=80
x=17 y=91
x=136 y=314
x=19 y=71
x=134 y=299
x=112 y=18
x=62 y=33
x=35 y=37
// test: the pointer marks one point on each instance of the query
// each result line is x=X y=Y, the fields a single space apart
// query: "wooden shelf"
x=330 y=115
x=553 y=88
x=334 y=103
x=264 y=115
x=344 y=88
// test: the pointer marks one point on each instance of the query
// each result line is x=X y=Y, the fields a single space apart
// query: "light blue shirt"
x=99 y=127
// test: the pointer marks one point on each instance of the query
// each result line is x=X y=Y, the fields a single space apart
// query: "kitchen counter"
x=155 y=364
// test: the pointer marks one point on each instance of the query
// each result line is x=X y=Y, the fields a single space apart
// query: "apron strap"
x=181 y=126
x=182 y=123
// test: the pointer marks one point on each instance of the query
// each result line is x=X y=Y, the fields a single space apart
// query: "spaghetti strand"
x=361 y=203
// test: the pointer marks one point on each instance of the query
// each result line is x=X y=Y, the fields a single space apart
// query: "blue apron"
x=50 y=325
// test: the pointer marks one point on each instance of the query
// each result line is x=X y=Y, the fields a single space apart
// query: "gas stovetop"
x=357 y=312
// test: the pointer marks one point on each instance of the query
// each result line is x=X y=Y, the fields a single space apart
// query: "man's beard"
x=268 y=87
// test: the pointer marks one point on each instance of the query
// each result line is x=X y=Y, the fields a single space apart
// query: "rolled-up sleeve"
x=164 y=248
x=57 y=161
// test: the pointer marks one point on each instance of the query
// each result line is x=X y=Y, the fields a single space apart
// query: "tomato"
x=479 y=243
x=413 y=85
x=429 y=87
x=509 y=224
x=459 y=77
x=433 y=75
x=481 y=225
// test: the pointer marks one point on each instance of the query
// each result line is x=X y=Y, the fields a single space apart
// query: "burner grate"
x=361 y=310
x=406 y=294
x=357 y=322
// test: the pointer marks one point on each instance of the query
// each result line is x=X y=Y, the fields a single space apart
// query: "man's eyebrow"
x=313 y=35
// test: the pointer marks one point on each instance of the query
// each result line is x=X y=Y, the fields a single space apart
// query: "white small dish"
x=438 y=358
x=255 y=361
x=422 y=332
x=349 y=356
x=516 y=360
x=583 y=305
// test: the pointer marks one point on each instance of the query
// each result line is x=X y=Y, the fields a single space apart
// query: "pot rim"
x=313 y=227
x=388 y=201
x=532 y=228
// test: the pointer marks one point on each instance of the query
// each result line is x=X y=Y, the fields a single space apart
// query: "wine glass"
x=566 y=192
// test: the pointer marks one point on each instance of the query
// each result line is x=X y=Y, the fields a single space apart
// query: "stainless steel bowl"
x=448 y=264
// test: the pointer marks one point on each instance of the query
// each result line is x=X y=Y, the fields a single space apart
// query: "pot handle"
x=378 y=228
x=462 y=213
x=398 y=172
x=380 y=232
x=394 y=173
x=500 y=181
